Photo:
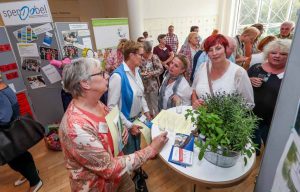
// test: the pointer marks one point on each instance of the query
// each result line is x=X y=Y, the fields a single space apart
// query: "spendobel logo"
x=26 y=12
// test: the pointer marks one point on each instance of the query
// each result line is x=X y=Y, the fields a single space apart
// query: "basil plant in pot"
x=225 y=124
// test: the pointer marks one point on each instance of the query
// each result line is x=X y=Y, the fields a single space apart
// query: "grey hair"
x=290 y=23
x=283 y=45
x=147 y=46
x=79 y=70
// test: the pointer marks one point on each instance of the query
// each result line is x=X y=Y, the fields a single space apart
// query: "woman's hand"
x=146 y=75
x=197 y=103
x=147 y=114
x=125 y=136
x=176 y=99
x=256 y=81
x=135 y=130
x=165 y=64
x=159 y=141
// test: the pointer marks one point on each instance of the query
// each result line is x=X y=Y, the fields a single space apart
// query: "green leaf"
x=201 y=154
x=249 y=153
x=245 y=161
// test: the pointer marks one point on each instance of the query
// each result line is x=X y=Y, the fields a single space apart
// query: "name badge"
x=102 y=127
x=164 y=48
x=280 y=75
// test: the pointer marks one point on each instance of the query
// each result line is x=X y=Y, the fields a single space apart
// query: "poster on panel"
x=287 y=177
x=108 y=32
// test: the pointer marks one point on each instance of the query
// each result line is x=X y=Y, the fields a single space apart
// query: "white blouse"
x=184 y=91
x=234 y=79
x=139 y=103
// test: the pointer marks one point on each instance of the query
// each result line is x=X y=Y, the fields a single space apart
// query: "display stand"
x=43 y=91
x=11 y=74
x=73 y=38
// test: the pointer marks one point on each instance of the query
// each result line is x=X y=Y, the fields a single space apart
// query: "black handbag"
x=140 y=181
x=22 y=134
x=139 y=178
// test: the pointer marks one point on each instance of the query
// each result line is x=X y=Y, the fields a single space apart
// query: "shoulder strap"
x=209 y=80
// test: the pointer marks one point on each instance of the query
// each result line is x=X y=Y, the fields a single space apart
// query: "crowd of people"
x=140 y=79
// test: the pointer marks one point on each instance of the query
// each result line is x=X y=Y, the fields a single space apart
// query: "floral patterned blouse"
x=89 y=152
x=114 y=59
x=153 y=67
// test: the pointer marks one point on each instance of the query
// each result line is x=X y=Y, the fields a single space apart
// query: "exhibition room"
x=158 y=96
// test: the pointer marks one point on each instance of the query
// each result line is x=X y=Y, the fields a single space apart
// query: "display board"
x=109 y=31
x=34 y=46
x=73 y=38
x=11 y=73
x=280 y=140
x=8 y=65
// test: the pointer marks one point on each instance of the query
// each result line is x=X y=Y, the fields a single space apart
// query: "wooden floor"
x=161 y=178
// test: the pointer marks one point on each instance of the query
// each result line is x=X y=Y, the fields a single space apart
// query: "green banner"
x=109 y=22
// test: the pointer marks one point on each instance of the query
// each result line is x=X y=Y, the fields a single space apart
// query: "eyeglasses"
x=140 y=54
x=104 y=74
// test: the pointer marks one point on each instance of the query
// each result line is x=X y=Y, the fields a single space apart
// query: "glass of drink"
x=178 y=104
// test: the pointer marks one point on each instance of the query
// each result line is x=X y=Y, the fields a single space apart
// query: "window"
x=270 y=13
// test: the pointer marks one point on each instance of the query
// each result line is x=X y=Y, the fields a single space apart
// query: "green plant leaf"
x=245 y=161
x=201 y=154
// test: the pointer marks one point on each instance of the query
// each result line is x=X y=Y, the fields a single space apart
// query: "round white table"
x=203 y=171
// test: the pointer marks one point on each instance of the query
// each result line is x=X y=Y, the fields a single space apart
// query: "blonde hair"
x=191 y=35
x=283 y=45
x=131 y=47
x=121 y=44
x=251 y=31
x=184 y=60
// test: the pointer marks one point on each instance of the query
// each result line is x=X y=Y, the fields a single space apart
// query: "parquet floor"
x=161 y=178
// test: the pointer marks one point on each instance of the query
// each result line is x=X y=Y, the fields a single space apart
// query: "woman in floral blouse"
x=86 y=139
x=151 y=68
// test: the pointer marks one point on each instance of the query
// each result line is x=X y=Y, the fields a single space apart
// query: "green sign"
x=109 y=22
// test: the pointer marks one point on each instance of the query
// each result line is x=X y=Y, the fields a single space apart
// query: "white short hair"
x=79 y=70
x=290 y=23
x=283 y=45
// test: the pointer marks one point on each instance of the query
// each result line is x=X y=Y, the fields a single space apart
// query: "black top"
x=265 y=96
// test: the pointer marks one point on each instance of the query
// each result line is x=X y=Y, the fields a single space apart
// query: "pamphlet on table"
x=183 y=149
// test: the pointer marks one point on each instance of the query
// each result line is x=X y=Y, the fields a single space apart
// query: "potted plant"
x=225 y=124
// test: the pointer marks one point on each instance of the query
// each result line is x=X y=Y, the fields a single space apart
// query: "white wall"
x=179 y=8
x=159 y=14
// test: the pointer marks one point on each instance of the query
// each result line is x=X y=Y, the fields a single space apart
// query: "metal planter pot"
x=218 y=159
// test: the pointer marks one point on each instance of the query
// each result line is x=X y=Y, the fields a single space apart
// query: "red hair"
x=214 y=40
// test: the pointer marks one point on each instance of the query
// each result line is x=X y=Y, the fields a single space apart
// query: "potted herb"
x=226 y=125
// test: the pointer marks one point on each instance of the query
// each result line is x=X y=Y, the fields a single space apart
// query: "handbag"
x=22 y=134
x=139 y=178
x=140 y=181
